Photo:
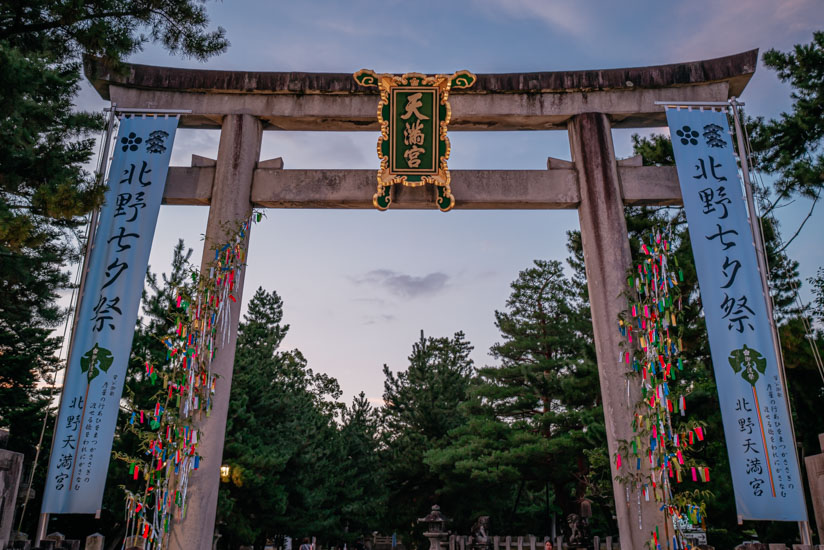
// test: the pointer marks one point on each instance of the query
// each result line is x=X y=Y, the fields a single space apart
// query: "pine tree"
x=364 y=499
x=791 y=146
x=28 y=349
x=282 y=442
x=533 y=418
x=421 y=407
x=44 y=145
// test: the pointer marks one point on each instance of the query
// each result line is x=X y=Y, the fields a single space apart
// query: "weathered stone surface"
x=238 y=152
x=650 y=185
x=11 y=469
x=473 y=189
x=556 y=188
x=95 y=542
x=733 y=68
x=815 y=479
x=198 y=160
x=135 y=543
x=634 y=161
x=607 y=257
x=189 y=185
x=275 y=163
x=333 y=101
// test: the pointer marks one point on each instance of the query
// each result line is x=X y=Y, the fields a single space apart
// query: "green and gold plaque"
x=413 y=148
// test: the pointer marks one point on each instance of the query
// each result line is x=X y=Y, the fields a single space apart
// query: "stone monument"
x=480 y=538
x=435 y=528
x=815 y=477
x=11 y=468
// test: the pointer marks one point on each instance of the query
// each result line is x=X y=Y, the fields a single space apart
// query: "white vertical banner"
x=760 y=443
x=102 y=338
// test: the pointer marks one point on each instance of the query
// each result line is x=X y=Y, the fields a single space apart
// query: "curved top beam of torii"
x=507 y=101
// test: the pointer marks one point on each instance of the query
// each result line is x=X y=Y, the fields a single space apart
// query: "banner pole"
x=755 y=224
x=760 y=250
x=43 y=521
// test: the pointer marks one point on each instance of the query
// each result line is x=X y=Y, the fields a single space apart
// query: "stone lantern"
x=586 y=509
x=435 y=528
x=586 y=514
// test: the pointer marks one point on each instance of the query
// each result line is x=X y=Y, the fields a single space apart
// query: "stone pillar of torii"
x=588 y=104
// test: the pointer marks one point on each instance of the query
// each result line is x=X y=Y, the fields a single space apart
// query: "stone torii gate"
x=588 y=104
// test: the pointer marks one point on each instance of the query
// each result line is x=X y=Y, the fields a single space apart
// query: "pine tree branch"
x=773 y=206
x=800 y=227
x=63 y=22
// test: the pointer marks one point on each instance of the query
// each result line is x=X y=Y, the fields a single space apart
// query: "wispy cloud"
x=320 y=149
x=374 y=29
x=734 y=26
x=404 y=285
x=378 y=319
x=370 y=301
x=559 y=15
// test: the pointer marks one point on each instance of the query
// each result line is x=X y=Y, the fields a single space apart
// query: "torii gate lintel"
x=555 y=188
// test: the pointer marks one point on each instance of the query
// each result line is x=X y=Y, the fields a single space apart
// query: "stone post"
x=11 y=469
x=57 y=536
x=237 y=156
x=815 y=478
x=607 y=257
x=95 y=542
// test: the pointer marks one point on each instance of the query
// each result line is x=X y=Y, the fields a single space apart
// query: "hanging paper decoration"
x=186 y=387
x=652 y=349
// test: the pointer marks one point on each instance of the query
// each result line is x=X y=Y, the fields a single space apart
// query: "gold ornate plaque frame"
x=430 y=94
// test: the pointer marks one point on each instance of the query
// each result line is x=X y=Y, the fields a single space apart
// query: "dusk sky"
x=358 y=286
